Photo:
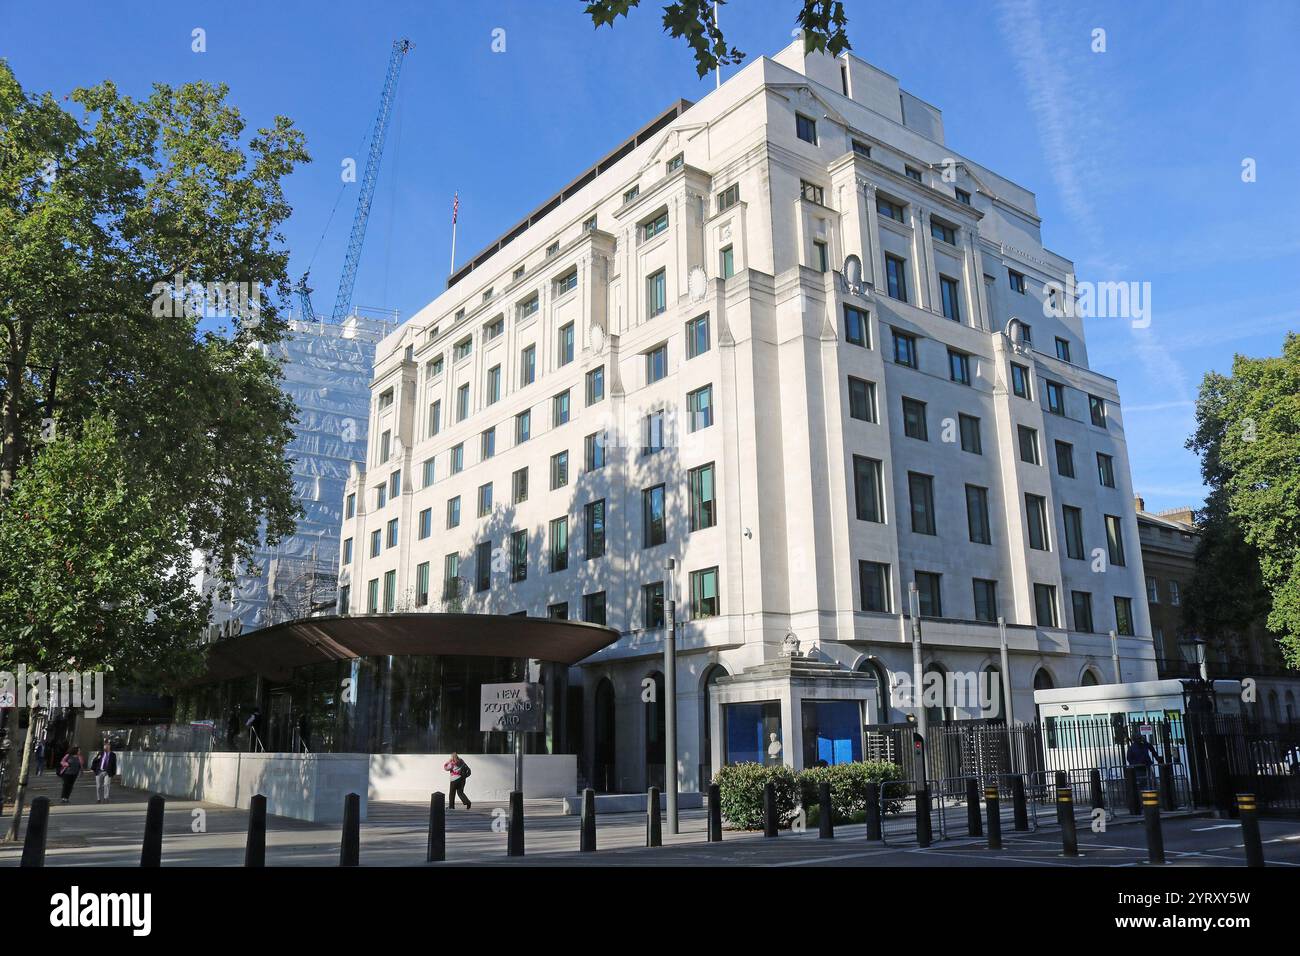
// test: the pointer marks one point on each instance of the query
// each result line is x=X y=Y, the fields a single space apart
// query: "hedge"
x=740 y=788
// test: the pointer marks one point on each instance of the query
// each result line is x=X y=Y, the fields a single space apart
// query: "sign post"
x=515 y=708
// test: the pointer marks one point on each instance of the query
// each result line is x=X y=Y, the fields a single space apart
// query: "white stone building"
x=786 y=308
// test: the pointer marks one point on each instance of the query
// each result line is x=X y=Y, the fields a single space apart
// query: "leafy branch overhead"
x=822 y=21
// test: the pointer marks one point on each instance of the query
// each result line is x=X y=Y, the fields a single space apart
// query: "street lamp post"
x=670 y=704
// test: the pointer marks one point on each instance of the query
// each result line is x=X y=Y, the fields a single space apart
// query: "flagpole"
x=717 y=67
x=455 y=208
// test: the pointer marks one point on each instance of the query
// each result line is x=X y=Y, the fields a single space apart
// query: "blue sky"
x=1135 y=153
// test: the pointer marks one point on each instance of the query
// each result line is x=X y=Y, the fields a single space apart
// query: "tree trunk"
x=35 y=727
x=11 y=421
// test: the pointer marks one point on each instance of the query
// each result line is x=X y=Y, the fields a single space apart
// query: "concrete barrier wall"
x=300 y=786
x=415 y=776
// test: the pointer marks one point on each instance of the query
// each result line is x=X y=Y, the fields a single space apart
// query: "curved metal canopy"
x=274 y=651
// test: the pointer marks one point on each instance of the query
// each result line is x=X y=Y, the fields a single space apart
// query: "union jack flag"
x=455 y=207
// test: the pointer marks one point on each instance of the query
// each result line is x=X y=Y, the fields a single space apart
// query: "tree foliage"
x=822 y=21
x=1248 y=437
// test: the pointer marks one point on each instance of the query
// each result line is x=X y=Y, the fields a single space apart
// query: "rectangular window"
x=652 y=605
x=652 y=433
x=519 y=486
x=1028 y=444
x=1045 y=605
x=726 y=262
x=560 y=409
x=949 y=295
x=914 y=423
x=385 y=446
x=385 y=399
x=821 y=256
x=944 y=233
x=347 y=551
x=458 y=458
x=528 y=365
x=494 y=385
x=704 y=594
x=594 y=513
x=422 y=584
x=657 y=293
x=889 y=209
x=350 y=509
x=697 y=336
x=1106 y=470
x=593 y=608
x=462 y=349
x=519 y=556
x=656 y=363
x=970 y=434
x=805 y=128
x=462 y=403
x=565 y=344
x=856 y=330
x=395 y=484
x=425 y=523
x=1175 y=597
x=896 y=277
x=485 y=500
x=977 y=514
x=594 y=451
x=1036 y=515
x=1055 y=398
x=728 y=197
x=427 y=472
x=487 y=443
x=435 y=418
x=453 y=512
x=345 y=597
x=559 y=544
x=1115 y=540
x=1065 y=459
x=381 y=496
x=390 y=591
x=868 y=489
x=703 y=505
x=1097 y=410
x=483 y=566
x=1017 y=281
x=372 y=596
x=1081 y=606
x=595 y=385
x=566 y=283
x=986 y=599
x=1153 y=591
x=963 y=196
x=905 y=349
x=1073 y=518
x=654 y=226
x=861 y=148
x=451 y=577
x=559 y=469
x=699 y=408
x=528 y=307
x=523 y=426
x=376 y=542
x=912 y=173
x=873 y=586
x=1020 y=381
x=862 y=399
x=930 y=594
x=495 y=328
x=920 y=489
x=1124 y=616
x=1062 y=349
x=959 y=367
x=653 y=530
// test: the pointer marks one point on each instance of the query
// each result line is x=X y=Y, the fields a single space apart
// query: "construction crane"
x=348 y=278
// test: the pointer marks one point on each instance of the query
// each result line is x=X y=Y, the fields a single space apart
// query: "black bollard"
x=437 y=849
x=1065 y=813
x=151 y=851
x=255 y=845
x=1062 y=779
x=1247 y=813
x=1098 y=795
x=350 y=847
x=38 y=828
x=1151 y=822
x=825 y=813
x=1167 y=798
x=973 y=825
x=587 y=838
x=1131 y=788
x=769 y=809
x=715 y=813
x=1019 y=811
x=653 y=825
x=923 y=830
x=995 y=817
x=515 y=839
x=873 y=811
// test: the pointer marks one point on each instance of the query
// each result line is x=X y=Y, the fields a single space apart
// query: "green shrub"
x=740 y=792
x=848 y=786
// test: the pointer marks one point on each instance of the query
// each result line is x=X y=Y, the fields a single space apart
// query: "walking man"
x=104 y=767
x=459 y=771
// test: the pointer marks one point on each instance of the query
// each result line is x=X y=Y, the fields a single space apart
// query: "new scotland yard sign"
x=515 y=707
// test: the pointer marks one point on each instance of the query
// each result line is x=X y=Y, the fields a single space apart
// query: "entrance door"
x=280 y=725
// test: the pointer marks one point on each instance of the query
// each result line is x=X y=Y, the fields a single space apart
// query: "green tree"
x=1248 y=437
x=141 y=271
x=822 y=21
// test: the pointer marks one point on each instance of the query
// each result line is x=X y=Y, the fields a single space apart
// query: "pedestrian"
x=1139 y=756
x=104 y=767
x=69 y=770
x=40 y=756
x=460 y=772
